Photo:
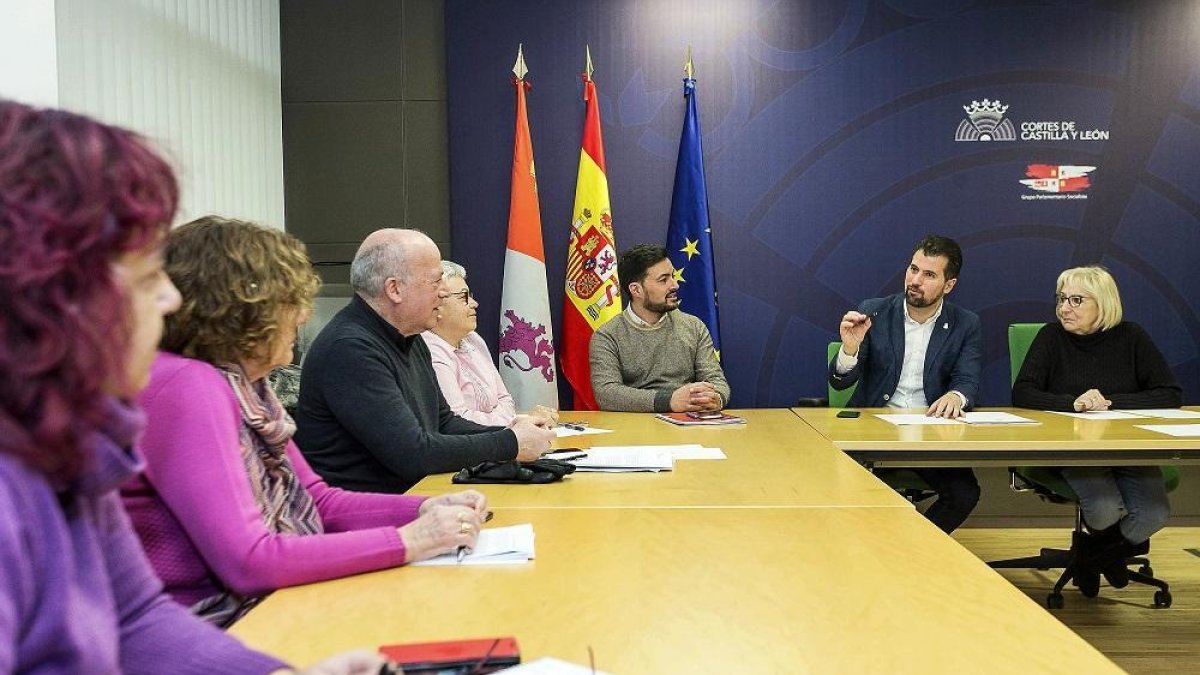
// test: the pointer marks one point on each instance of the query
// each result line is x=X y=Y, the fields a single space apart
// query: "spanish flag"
x=526 y=335
x=593 y=291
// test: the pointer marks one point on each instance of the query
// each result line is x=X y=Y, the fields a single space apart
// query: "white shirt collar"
x=930 y=320
x=639 y=322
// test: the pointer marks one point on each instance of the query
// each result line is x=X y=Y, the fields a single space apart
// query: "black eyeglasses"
x=1073 y=300
x=464 y=295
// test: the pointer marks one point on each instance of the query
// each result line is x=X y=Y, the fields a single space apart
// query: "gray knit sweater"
x=636 y=369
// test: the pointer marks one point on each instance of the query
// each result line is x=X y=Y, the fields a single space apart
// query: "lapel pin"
x=946 y=326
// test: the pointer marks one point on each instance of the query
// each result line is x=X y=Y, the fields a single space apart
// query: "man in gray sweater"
x=653 y=357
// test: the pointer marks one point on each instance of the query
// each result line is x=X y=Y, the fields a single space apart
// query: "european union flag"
x=689 y=239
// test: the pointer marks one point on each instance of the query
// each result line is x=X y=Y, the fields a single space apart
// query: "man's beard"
x=663 y=307
x=919 y=301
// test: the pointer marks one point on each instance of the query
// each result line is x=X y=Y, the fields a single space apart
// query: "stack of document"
x=625 y=458
x=495 y=546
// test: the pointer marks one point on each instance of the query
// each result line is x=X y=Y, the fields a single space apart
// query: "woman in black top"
x=1092 y=360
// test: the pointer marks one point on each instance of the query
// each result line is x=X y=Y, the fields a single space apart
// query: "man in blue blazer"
x=915 y=350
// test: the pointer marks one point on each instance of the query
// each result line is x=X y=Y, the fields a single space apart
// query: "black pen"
x=573 y=425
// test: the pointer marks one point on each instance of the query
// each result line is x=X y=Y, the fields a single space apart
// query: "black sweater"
x=371 y=416
x=1122 y=363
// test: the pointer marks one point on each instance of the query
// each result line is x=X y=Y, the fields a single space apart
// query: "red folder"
x=483 y=655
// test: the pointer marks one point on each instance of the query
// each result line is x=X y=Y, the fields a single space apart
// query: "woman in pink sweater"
x=228 y=509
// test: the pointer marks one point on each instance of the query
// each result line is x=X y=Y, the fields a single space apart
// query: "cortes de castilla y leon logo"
x=985 y=122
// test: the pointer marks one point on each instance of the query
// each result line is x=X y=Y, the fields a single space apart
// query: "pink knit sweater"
x=195 y=512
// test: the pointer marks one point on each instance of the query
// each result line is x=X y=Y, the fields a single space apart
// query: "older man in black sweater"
x=371 y=416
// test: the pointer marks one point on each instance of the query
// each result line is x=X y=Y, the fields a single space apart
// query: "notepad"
x=495 y=546
x=686 y=420
x=995 y=418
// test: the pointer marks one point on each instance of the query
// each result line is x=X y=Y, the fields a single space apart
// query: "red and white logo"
x=1058 y=178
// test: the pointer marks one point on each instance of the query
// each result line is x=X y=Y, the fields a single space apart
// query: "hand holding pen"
x=441 y=528
x=462 y=550
x=853 y=330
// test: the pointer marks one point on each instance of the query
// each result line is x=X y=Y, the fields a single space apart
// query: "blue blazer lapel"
x=937 y=340
x=896 y=335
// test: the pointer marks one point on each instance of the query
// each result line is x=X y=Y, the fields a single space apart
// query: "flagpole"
x=526 y=346
x=593 y=294
x=689 y=234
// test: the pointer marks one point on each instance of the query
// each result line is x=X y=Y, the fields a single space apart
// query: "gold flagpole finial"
x=688 y=68
x=519 y=68
x=588 y=68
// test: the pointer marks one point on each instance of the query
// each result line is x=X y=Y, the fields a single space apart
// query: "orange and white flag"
x=526 y=350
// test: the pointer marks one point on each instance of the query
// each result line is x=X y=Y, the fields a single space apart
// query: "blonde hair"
x=1100 y=285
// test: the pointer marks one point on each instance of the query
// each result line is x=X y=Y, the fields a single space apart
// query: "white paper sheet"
x=917 y=419
x=563 y=432
x=548 y=665
x=495 y=546
x=1166 y=414
x=1178 y=430
x=995 y=418
x=689 y=452
x=1098 y=415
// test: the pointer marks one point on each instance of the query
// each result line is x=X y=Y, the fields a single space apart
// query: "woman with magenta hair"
x=228 y=509
x=84 y=208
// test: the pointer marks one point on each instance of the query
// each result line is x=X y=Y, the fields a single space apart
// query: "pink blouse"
x=469 y=380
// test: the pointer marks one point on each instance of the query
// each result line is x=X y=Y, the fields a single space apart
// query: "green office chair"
x=1049 y=484
x=905 y=481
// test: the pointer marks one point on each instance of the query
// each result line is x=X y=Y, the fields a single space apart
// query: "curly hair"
x=237 y=280
x=75 y=195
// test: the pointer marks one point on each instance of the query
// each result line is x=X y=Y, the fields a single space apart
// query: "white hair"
x=453 y=269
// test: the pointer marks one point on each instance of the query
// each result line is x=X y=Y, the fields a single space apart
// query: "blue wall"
x=829 y=129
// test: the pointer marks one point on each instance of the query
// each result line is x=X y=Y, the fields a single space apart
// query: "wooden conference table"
x=841 y=590
x=772 y=462
x=787 y=557
x=1055 y=440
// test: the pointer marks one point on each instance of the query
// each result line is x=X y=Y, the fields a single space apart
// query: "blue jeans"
x=1104 y=490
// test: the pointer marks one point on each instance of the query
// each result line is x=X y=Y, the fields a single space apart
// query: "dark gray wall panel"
x=424 y=34
x=344 y=169
x=427 y=173
x=342 y=51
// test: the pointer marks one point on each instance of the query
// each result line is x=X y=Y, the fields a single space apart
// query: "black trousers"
x=958 y=493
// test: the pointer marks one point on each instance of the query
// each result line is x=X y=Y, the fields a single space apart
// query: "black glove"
x=512 y=471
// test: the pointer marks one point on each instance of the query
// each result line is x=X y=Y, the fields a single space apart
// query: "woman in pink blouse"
x=465 y=371
x=228 y=509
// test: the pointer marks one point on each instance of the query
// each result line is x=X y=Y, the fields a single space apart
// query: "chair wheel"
x=1162 y=599
x=1147 y=570
x=1055 y=600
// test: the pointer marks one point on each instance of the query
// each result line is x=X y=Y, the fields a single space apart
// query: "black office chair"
x=1049 y=485
x=905 y=481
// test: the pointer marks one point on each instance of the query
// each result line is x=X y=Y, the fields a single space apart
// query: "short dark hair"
x=636 y=261
x=934 y=245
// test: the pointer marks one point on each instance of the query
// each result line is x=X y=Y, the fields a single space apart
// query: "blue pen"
x=573 y=425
